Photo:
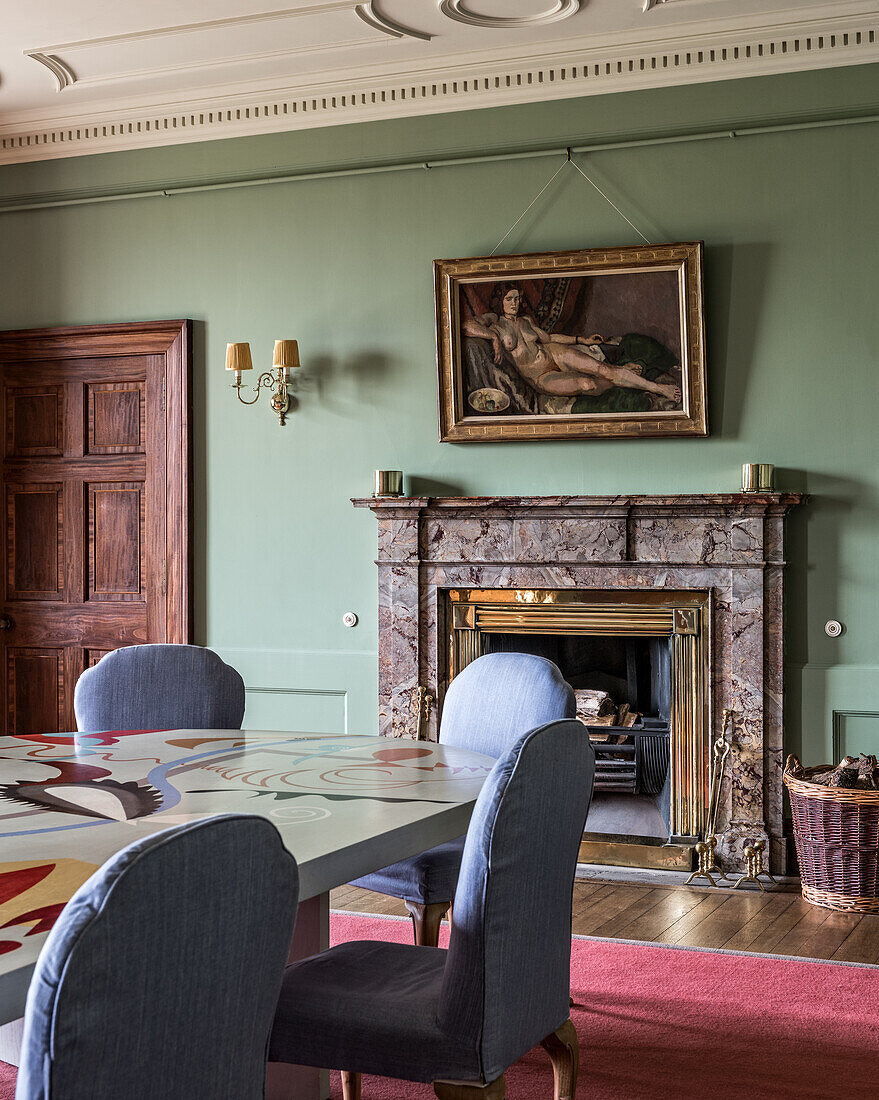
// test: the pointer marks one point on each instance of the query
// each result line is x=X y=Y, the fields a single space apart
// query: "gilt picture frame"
x=595 y=343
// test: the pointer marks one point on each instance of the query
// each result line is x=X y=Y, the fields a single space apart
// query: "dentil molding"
x=568 y=67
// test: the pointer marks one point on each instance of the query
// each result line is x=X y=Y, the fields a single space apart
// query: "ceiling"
x=93 y=76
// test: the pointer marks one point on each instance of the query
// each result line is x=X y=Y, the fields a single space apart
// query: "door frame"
x=173 y=341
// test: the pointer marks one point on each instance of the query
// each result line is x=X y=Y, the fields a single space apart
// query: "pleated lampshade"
x=286 y=354
x=238 y=357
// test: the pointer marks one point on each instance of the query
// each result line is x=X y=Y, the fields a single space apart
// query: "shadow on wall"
x=735 y=282
x=344 y=387
x=427 y=487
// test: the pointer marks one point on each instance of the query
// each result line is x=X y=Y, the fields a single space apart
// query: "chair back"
x=161 y=976
x=144 y=687
x=507 y=977
x=499 y=696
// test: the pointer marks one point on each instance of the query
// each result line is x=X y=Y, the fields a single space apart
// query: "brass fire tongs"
x=705 y=848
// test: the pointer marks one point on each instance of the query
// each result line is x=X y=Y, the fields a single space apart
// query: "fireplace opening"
x=638 y=662
x=623 y=690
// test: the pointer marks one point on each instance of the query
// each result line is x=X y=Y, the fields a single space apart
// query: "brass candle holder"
x=757 y=477
x=388 y=483
x=285 y=359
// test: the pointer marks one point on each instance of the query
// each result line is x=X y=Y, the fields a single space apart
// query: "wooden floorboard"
x=777 y=922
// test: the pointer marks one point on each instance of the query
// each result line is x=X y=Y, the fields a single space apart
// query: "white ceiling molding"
x=462 y=13
x=371 y=15
x=63 y=73
x=195 y=49
x=568 y=67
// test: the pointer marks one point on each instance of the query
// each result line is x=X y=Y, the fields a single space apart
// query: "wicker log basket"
x=836 y=832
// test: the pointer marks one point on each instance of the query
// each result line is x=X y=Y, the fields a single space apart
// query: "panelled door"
x=95 y=492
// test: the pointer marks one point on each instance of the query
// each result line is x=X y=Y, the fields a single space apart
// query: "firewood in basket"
x=844 y=777
x=868 y=772
x=631 y=718
x=622 y=714
x=593 y=704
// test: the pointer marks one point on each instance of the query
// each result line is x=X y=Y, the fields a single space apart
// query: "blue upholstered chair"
x=161 y=975
x=466 y=1014
x=488 y=706
x=143 y=687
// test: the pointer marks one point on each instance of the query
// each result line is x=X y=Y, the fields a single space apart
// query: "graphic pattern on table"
x=55 y=787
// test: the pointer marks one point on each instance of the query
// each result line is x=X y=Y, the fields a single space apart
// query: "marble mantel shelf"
x=683 y=503
x=728 y=544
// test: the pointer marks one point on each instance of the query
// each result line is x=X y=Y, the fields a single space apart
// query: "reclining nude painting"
x=609 y=344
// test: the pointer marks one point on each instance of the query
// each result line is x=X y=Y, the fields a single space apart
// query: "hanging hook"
x=568 y=151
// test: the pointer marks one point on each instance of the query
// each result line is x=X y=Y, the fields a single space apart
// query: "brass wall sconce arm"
x=285 y=359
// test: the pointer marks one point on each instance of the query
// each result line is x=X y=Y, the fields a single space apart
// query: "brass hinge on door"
x=163 y=393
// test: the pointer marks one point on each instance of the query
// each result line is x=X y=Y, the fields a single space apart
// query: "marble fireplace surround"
x=730 y=544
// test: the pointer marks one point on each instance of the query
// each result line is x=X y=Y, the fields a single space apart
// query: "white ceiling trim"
x=460 y=13
x=220 y=62
x=326 y=8
x=374 y=17
x=564 y=69
x=63 y=74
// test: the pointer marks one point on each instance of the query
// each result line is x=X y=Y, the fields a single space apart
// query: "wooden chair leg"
x=350 y=1085
x=448 y=1090
x=426 y=920
x=564 y=1050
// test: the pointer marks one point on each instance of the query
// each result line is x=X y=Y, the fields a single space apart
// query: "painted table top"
x=344 y=805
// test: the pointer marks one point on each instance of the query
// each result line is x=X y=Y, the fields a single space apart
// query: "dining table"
x=344 y=805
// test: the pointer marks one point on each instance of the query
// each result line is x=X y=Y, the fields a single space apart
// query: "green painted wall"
x=344 y=265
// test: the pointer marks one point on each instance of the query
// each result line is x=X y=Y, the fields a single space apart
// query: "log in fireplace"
x=683 y=587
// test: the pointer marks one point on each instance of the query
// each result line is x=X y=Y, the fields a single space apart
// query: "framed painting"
x=604 y=342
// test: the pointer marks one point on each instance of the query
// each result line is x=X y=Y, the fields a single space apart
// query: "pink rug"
x=657 y=1023
x=661 y=1023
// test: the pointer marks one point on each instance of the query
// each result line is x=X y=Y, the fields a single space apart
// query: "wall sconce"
x=285 y=359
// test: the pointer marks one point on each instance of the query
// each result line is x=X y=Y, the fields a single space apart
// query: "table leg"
x=10 y=1042
x=311 y=934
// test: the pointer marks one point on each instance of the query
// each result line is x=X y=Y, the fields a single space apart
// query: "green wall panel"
x=789 y=222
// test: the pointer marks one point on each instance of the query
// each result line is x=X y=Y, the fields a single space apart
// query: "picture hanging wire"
x=568 y=160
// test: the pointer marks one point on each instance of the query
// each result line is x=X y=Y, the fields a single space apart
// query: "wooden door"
x=96 y=495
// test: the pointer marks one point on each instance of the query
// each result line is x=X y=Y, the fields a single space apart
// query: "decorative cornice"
x=62 y=72
x=567 y=68
x=373 y=17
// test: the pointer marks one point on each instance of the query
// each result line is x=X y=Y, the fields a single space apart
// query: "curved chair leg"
x=426 y=920
x=350 y=1085
x=449 y=1090
x=564 y=1050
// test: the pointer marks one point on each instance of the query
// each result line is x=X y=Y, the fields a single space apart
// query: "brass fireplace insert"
x=682 y=617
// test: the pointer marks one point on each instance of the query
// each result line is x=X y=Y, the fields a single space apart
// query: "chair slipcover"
x=158 y=687
x=426 y=1014
x=489 y=704
x=161 y=975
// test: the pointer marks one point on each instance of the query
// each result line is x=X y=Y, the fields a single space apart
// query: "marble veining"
x=729 y=544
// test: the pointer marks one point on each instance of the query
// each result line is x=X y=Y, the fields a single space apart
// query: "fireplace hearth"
x=694 y=580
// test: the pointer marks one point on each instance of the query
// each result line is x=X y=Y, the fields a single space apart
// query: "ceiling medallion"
x=459 y=11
